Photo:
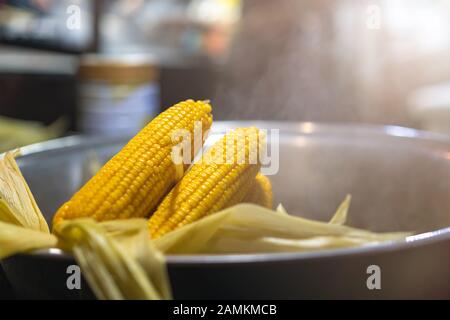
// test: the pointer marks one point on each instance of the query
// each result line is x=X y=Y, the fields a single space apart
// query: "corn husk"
x=15 y=239
x=16 y=133
x=236 y=245
x=17 y=204
x=132 y=237
x=280 y=209
x=248 y=228
x=117 y=258
x=340 y=217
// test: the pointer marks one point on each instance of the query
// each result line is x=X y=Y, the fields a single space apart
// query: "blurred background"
x=107 y=67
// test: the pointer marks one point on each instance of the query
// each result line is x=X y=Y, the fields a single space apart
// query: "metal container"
x=117 y=94
x=399 y=179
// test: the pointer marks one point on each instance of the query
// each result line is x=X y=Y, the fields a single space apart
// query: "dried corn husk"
x=16 y=133
x=117 y=258
x=248 y=228
x=340 y=217
x=17 y=204
x=15 y=239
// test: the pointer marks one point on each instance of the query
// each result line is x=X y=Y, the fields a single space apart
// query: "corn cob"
x=260 y=192
x=134 y=181
x=220 y=180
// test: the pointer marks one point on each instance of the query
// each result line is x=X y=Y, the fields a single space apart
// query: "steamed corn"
x=133 y=182
x=260 y=192
x=221 y=179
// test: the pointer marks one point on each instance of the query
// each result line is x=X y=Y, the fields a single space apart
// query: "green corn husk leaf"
x=253 y=224
x=117 y=258
x=17 y=204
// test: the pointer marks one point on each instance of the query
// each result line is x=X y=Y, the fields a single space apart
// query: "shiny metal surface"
x=399 y=179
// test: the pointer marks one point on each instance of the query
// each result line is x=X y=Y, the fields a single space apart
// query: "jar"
x=117 y=94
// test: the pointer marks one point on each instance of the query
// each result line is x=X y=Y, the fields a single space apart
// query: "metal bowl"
x=399 y=179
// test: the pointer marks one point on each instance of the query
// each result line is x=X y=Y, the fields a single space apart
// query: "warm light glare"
x=307 y=127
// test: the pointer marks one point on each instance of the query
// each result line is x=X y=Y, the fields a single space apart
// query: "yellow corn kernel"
x=219 y=180
x=134 y=181
x=260 y=192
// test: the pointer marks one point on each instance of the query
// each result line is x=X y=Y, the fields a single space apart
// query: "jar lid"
x=118 y=68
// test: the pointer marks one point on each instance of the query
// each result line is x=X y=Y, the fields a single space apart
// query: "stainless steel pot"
x=399 y=179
